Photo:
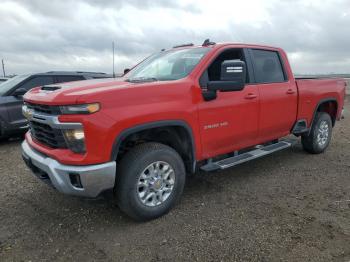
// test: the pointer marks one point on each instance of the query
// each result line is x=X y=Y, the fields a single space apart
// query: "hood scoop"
x=50 y=88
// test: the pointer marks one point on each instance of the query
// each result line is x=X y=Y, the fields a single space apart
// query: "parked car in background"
x=12 y=120
x=3 y=79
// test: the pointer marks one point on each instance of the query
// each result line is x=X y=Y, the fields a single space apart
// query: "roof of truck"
x=217 y=45
x=92 y=74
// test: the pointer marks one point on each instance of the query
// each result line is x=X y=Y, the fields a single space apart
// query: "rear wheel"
x=150 y=180
x=320 y=134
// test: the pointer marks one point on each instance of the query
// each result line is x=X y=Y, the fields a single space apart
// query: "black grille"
x=50 y=110
x=47 y=135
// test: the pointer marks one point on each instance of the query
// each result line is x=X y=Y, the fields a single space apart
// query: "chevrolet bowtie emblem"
x=27 y=112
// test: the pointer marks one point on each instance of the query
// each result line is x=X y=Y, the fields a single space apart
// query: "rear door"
x=278 y=95
x=14 y=103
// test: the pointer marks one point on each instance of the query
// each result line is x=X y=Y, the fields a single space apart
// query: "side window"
x=213 y=72
x=267 y=66
x=62 y=79
x=37 y=81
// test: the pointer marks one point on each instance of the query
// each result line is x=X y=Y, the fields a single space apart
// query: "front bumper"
x=92 y=179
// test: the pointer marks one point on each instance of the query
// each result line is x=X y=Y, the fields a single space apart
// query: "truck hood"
x=69 y=93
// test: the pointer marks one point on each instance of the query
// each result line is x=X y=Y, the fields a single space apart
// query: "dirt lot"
x=290 y=206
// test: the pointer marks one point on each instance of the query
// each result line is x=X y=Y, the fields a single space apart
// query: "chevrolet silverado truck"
x=207 y=107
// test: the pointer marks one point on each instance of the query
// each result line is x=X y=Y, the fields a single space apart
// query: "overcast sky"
x=42 y=35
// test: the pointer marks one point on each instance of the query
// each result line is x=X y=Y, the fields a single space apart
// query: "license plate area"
x=39 y=173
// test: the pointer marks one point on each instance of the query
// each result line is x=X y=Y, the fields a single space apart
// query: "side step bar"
x=245 y=157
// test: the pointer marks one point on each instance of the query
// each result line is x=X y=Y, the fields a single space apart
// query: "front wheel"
x=320 y=134
x=150 y=180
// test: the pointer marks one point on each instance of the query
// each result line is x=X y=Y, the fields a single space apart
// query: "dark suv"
x=11 y=92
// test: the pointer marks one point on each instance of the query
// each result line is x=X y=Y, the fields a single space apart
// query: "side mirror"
x=126 y=70
x=233 y=75
x=19 y=92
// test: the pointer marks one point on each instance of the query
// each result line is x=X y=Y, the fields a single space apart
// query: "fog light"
x=75 y=180
x=75 y=139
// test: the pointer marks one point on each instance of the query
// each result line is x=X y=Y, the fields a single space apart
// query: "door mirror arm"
x=209 y=95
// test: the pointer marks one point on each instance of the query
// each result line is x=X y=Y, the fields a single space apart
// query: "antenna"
x=113 y=59
x=3 y=67
x=207 y=42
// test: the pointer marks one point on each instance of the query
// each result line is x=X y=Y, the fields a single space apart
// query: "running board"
x=245 y=157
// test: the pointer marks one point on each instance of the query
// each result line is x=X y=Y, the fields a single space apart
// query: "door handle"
x=290 y=91
x=251 y=96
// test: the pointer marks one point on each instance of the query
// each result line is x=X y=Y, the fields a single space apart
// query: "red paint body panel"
x=237 y=118
x=278 y=106
x=312 y=91
x=241 y=122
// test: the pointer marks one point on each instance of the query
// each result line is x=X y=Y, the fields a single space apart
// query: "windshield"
x=167 y=65
x=9 y=84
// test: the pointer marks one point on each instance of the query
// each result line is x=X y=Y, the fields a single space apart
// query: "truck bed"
x=313 y=91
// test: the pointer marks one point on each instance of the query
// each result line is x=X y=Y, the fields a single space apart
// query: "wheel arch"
x=183 y=128
x=327 y=105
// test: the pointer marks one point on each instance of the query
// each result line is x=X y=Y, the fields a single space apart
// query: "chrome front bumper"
x=92 y=180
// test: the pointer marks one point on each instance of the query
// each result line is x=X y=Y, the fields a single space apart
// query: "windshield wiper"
x=141 y=79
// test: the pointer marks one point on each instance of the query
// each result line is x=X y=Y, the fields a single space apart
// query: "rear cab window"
x=268 y=67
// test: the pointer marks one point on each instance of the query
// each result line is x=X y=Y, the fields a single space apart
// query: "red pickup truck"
x=205 y=107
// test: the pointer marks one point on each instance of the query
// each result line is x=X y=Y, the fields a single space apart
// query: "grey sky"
x=41 y=35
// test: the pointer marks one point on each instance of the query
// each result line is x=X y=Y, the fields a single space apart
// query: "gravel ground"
x=290 y=206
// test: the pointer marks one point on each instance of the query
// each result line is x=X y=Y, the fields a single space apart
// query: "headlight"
x=80 y=109
x=75 y=139
x=27 y=112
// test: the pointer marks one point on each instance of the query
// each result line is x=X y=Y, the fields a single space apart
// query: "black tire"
x=2 y=136
x=310 y=141
x=128 y=174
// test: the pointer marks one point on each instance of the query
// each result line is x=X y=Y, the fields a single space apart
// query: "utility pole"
x=113 y=59
x=3 y=67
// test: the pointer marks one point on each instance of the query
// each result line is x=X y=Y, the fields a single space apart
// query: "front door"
x=14 y=103
x=229 y=122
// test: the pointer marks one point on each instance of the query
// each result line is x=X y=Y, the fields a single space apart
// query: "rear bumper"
x=85 y=181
